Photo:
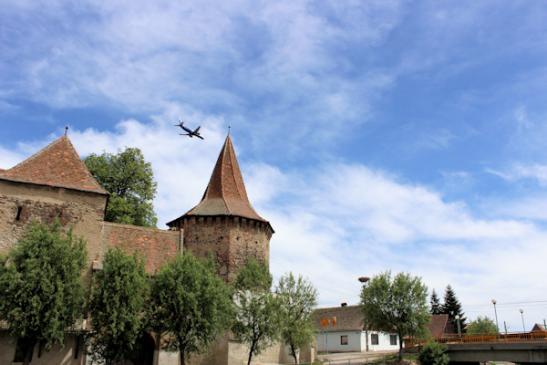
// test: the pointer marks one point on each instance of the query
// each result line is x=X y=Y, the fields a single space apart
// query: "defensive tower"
x=224 y=224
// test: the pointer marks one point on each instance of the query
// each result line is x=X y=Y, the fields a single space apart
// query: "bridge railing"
x=540 y=336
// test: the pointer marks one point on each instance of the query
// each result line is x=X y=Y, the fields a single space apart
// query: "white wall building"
x=340 y=329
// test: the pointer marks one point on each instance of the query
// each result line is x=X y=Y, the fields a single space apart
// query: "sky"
x=374 y=135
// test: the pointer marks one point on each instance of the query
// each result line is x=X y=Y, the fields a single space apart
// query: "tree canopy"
x=190 y=304
x=40 y=285
x=117 y=307
x=436 y=307
x=482 y=326
x=257 y=319
x=297 y=299
x=396 y=304
x=453 y=307
x=130 y=181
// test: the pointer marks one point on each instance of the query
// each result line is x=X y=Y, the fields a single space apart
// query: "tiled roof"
x=539 y=327
x=437 y=325
x=56 y=165
x=155 y=245
x=348 y=318
x=225 y=193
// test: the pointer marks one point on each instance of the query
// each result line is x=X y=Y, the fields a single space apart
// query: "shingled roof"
x=58 y=165
x=225 y=193
x=348 y=318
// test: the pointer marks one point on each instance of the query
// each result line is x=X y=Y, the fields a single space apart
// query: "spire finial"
x=229 y=128
x=66 y=130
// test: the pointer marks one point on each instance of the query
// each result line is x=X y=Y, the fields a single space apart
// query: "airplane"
x=190 y=133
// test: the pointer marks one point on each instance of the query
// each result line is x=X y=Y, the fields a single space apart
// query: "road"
x=353 y=358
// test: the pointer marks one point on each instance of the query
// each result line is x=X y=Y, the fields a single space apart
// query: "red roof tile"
x=225 y=193
x=57 y=165
x=437 y=325
x=155 y=245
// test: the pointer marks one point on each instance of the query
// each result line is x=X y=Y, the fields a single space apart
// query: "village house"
x=55 y=184
x=341 y=329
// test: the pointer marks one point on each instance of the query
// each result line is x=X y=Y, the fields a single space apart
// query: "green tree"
x=436 y=307
x=41 y=285
x=297 y=298
x=397 y=304
x=190 y=304
x=433 y=353
x=130 y=181
x=453 y=307
x=482 y=326
x=117 y=306
x=257 y=320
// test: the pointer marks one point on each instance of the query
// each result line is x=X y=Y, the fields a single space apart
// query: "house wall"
x=331 y=341
x=383 y=342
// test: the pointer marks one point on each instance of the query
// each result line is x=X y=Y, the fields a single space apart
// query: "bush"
x=433 y=353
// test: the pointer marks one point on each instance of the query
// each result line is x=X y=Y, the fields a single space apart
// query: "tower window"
x=19 y=211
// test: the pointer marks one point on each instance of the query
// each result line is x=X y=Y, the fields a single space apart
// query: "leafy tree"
x=257 y=319
x=297 y=298
x=117 y=307
x=453 y=307
x=130 y=181
x=482 y=326
x=397 y=304
x=41 y=287
x=436 y=307
x=433 y=353
x=190 y=304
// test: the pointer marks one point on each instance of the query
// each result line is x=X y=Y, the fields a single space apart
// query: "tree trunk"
x=251 y=350
x=28 y=355
x=182 y=359
x=400 y=357
x=295 y=353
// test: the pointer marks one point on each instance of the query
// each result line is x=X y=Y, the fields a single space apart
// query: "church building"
x=55 y=184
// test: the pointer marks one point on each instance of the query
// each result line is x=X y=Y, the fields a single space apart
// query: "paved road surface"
x=353 y=358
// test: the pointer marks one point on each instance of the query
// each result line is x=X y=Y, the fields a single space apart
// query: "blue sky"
x=402 y=135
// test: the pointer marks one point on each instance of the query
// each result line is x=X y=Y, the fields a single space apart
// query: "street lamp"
x=459 y=325
x=496 y=313
x=522 y=317
x=364 y=280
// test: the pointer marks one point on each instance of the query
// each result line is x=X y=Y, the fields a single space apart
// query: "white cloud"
x=537 y=172
x=335 y=222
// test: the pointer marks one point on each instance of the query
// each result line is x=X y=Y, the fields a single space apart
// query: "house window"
x=393 y=340
x=374 y=340
x=344 y=340
x=21 y=348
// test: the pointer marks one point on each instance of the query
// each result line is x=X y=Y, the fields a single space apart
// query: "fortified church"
x=55 y=184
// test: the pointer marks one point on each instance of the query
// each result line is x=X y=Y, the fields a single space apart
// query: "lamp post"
x=459 y=325
x=496 y=314
x=522 y=317
x=364 y=280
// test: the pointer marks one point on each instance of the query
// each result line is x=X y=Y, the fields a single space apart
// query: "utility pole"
x=505 y=325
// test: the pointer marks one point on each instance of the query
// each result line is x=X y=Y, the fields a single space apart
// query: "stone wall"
x=58 y=355
x=229 y=240
x=154 y=245
x=22 y=203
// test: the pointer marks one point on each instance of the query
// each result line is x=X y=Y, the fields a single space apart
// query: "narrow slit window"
x=19 y=211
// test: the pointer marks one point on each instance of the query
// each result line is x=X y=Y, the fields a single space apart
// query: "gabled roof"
x=348 y=318
x=58 y=165
x=225 y=193
x=438 y=325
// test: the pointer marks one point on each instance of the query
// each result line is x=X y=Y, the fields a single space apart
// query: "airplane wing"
x=197 y=135
x=197 y=129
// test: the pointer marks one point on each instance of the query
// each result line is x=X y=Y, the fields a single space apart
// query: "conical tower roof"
x=225 y=193
x=56 y=165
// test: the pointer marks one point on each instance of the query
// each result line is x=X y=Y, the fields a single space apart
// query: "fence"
x=540 y=336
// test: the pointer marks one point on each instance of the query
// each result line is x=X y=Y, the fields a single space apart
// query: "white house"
x=340 y=329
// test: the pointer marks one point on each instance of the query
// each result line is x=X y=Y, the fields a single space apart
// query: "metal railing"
x=540 y=336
